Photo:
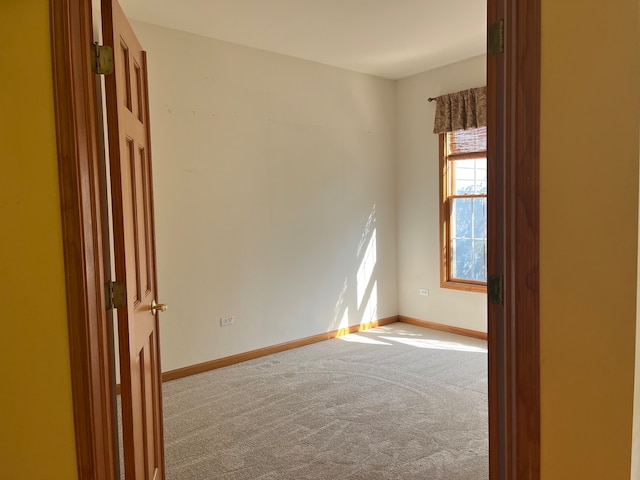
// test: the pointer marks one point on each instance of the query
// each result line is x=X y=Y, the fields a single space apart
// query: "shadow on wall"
x=362 y=286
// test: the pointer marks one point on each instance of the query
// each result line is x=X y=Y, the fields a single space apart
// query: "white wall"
x=418 y=222
x=272 y=175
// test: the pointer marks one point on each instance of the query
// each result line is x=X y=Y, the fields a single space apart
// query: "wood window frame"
x=446 y=280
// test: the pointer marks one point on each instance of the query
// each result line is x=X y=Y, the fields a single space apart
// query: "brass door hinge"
x=102 y=61
x=495 y=38
x=495 y=289
x=116 y=295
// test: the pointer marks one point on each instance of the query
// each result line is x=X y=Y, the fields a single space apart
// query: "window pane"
x=469 y=176
x=480 y=260
x=481 y=175
x=461 y=225
x=479 y=217
x=469 y=239
x=462 y=258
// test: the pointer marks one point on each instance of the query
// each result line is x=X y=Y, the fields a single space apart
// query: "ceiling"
x=387 y=38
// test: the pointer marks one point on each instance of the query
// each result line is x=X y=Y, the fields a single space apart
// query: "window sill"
x=467 y=287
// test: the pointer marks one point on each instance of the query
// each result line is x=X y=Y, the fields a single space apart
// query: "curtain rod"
x=431 y=99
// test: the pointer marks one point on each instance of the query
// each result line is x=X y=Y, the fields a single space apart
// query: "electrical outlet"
x=424 y=292
x=226 y=321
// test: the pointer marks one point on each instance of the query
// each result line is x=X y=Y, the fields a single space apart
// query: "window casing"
x=463 y=209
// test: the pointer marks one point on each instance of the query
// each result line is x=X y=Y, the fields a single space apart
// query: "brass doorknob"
x=157 y=307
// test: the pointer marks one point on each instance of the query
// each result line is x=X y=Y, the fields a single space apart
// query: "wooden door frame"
x=514 y=367
x=80 y=171
x=513 y=82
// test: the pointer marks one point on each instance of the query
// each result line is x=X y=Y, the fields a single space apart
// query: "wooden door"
x=134 y=240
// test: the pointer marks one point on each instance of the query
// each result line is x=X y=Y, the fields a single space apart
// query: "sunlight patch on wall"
x=367 y=265
x=366 y=284
x=341 y=310
x=371 y=310
x=343 y=326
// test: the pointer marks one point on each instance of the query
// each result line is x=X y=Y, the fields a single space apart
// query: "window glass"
x=469 y=176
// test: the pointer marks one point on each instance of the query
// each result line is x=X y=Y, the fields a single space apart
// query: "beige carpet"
x=397 y=402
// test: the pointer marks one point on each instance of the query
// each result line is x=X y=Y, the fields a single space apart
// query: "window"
x=463 y=209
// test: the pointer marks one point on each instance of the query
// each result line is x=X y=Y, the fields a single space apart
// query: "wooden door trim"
x=514 y=365
x=524 y=264
x=523 y=278
x=523 y=101
x=79 y=169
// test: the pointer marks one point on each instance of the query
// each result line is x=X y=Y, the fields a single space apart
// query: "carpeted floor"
x=396 y=402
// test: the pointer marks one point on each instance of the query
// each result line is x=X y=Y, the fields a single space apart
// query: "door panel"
x=132 y=193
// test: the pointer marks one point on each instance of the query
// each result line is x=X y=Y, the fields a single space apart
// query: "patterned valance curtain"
x=461 y=110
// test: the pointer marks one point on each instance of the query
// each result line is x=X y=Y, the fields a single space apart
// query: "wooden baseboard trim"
x=261 y=352
x=445 y=328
